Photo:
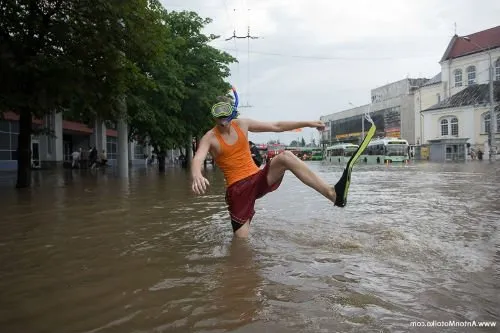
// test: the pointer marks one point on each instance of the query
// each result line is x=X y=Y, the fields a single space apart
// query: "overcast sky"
x=314 y=57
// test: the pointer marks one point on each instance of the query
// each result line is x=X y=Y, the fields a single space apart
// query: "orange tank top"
x=235 y=160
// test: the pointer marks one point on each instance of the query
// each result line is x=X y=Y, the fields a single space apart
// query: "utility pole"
x=248 y=37
x=493 y=118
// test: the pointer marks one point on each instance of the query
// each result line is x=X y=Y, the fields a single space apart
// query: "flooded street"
x=88 y=253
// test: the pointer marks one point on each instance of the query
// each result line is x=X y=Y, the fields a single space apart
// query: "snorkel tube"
x=236 y=100
x=234 y=114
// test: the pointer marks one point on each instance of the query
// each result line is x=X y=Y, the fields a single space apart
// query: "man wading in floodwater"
x=227 y=142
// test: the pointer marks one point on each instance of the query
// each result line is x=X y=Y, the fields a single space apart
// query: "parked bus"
x=317 y=154
x=339 y=153
x=382 y=150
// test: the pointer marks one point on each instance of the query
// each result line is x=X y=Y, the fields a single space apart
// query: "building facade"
x=429 y=94
x=462 y=107
x=392 y=110
x=67 y=137
x=396 y=102
x=452 y=106
x=345 y=126
x=465 y=115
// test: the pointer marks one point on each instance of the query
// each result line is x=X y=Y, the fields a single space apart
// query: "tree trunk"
x=24 y=150
x=161 y=160
x=195 y=145
x=189 y=152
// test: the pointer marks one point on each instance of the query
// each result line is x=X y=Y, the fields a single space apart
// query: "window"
x=458 y=77
x=497 y=70
x=9 y=131
x=486 y=122
x=139 y=152
x=449 y=126
x=438 y=97
x=111 y=147
x=454 y=152
x=444 y=127
x=471 y=75
x=454 y=126
x=376 y=150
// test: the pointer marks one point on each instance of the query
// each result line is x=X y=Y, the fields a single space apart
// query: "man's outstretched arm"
x=279 y=126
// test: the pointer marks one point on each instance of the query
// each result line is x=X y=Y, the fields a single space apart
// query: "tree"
x=204 y=68
x=303 y=142
x=188 y=81
x=154 y=110
x=58 y=55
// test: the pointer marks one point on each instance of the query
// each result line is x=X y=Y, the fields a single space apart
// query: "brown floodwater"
x=86 y=252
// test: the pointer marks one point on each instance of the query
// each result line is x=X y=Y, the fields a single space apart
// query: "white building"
x=69 y=136
x=392 y=109
x=354 y=116
x=427 y=95
x=396 y=101
x=455 y=104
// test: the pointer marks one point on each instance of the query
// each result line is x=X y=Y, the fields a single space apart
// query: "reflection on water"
x=85 y=253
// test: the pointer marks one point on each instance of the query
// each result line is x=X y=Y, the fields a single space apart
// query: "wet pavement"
x=88 y=252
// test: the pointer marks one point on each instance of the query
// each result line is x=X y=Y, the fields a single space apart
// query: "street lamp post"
x=491 y=134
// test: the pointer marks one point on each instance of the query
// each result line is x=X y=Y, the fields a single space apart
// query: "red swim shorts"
x=241 y=196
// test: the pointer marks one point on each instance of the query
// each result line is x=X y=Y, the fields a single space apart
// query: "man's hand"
x=200 y=184
x=320 y=126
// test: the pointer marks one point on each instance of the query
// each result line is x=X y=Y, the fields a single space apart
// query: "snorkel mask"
x=226 y=111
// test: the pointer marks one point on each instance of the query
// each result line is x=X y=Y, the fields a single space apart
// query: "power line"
x=242 y=37
x=233 y=25
x=328 y=58
x=248 y=37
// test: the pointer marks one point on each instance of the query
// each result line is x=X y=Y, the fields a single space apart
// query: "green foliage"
x=79 y=55
x=189 y=79
x=85 y=57
x=75 y=54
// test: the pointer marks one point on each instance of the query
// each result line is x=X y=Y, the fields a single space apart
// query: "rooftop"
x=459 y=47
x=477 y=94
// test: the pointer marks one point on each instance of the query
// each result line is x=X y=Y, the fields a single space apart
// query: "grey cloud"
x=296 y=74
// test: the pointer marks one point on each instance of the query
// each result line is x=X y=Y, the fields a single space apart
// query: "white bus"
x=339 y=153
x=383 y=150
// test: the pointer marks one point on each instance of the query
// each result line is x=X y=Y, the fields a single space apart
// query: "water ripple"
x=414 y=243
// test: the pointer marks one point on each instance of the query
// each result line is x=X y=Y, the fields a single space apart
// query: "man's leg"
x=288 y=161
x=241 y=230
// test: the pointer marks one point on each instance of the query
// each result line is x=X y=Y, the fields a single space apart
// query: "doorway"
x=35 y=154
